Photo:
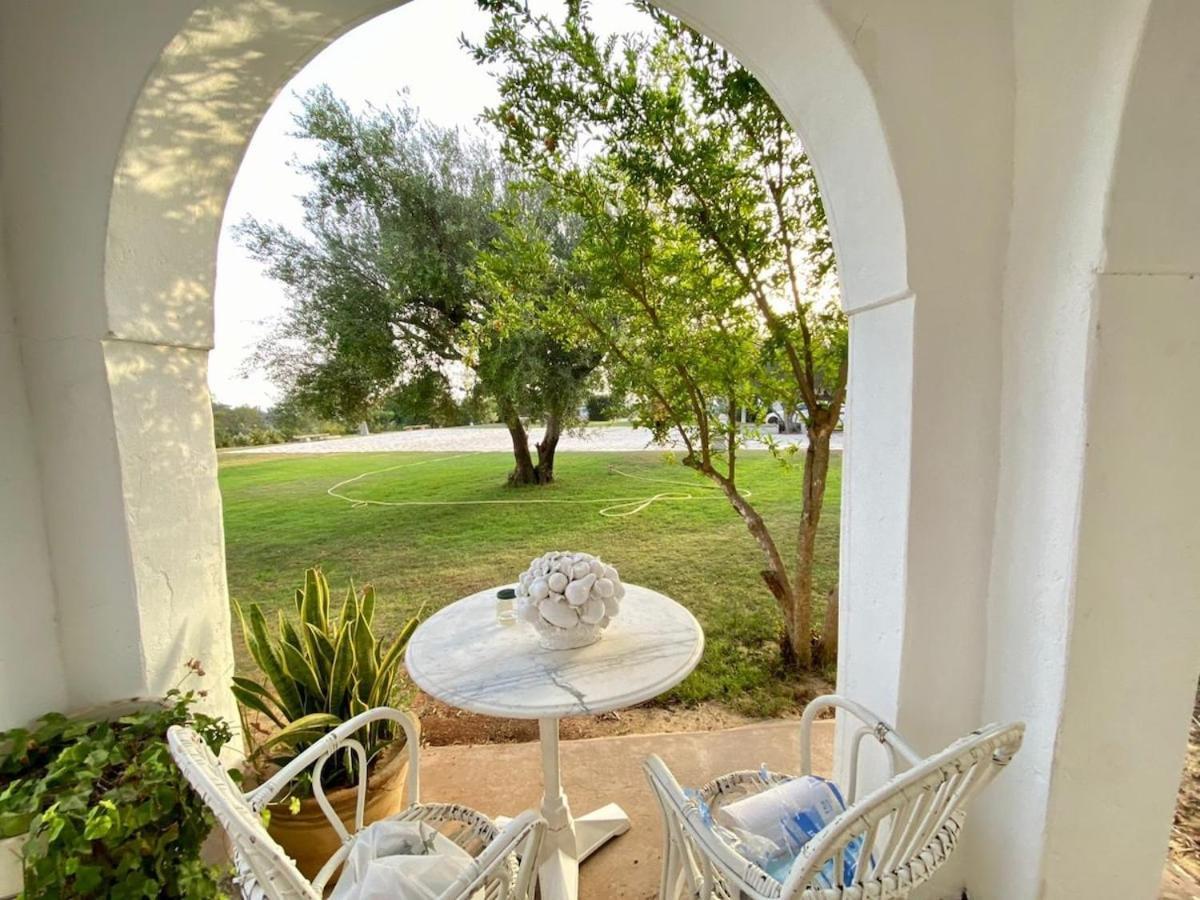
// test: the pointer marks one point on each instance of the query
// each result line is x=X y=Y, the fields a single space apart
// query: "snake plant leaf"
x=392 y=657
x=343 y=668
x=288 y=633
x=256 y=702
x=257 y=653
x=272 y=665
x=246 y=638
x=249 y=684
x=323 y=598
x=305 y=728
x=299 y=601
x=324 y=650
x=368 y=604
x=301 y=669
x=349 y=607
x=365 y=650
x=316 y=600
x=382 y=690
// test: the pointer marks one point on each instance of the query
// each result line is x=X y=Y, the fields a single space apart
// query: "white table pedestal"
x=569 y=841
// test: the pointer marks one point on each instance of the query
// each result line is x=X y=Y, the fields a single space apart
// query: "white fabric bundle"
x=400 y=861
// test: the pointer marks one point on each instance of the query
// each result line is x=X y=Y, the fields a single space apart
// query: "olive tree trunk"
x=546 y=447
x=525 y=470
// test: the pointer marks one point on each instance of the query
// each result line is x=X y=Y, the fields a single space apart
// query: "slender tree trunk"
x=816 y=470
x=827 y=649
x=775 y=574
x=524 y=472
x=546 y=447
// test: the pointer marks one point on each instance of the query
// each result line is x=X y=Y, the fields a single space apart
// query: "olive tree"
x=380 y=275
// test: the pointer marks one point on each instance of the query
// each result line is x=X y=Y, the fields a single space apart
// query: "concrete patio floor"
x=502 y=779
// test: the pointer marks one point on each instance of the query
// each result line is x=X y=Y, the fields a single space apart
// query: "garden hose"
x=615 y=508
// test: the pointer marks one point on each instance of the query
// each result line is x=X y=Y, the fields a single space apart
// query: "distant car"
x=781 y=422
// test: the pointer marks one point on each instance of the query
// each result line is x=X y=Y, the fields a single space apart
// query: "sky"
x=414 y=47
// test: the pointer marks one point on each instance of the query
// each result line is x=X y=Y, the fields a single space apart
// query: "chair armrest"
x=523 y=836
x=871 y=725
x=330 y=743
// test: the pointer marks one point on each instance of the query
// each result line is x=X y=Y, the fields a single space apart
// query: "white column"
x=31 y=673
x=1134 y=646
x=875 y=506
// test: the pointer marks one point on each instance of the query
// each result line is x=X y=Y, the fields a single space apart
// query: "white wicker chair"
x=908 y=827
x=504 y=868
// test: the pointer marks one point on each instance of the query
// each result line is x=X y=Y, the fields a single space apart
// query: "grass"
x=279 y=520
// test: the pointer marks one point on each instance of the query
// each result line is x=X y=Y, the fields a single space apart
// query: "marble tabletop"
x=463 y=656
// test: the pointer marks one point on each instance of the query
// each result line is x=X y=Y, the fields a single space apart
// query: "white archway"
x=188 y=130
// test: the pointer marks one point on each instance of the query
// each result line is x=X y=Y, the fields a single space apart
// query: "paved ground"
x=488 y=437
x=502 y=779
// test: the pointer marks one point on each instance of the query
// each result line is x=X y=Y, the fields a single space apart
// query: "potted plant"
x=319 y=671
x=98 y=808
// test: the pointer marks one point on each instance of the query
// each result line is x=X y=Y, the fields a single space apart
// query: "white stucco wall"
x=1083 y=550
x=31 y=673
x=1073 y=70
x=69 y=76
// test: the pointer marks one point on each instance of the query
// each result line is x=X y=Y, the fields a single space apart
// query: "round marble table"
x=463 y=656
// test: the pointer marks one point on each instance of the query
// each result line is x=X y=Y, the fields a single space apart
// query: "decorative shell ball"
x=569 y=598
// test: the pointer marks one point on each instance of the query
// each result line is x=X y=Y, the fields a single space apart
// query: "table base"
x=568 y=846
x=569 y=841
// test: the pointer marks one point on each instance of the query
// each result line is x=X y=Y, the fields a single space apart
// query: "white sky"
x=414 y=47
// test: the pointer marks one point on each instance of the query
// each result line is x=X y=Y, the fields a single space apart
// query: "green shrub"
x=320 y=671
x=604 y=408
x=107 y=810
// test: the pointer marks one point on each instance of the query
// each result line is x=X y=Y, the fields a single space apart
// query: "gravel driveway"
x=488 y=437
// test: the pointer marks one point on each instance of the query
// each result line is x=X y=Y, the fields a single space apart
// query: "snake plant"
x=318 y=671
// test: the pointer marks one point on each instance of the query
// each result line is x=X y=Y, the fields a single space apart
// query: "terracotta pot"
x=308 y=837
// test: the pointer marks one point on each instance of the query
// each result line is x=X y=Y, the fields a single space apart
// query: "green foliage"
x=703 y=264
x=428 y=399
x=106 y=808
x=381 y=276
x=291 y=418
x=243 y=426
x=319 y=670
x=604 y=408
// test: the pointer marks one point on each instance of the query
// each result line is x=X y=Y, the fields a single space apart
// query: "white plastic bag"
x=400 y=861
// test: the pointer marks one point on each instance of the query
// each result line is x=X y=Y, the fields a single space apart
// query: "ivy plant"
x=107 y=811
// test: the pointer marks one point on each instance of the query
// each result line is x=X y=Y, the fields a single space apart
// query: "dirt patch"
x=442 y=724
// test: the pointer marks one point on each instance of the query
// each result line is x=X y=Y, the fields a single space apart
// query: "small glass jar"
x=506 y=606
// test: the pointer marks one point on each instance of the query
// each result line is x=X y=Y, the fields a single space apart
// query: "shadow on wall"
x=180 y=153
x=182 y=148
x=164 y=431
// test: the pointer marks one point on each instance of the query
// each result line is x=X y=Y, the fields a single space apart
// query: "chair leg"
x=669 y=866
x=674 y=859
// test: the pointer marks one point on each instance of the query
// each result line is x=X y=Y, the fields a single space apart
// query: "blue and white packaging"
x=771 y=827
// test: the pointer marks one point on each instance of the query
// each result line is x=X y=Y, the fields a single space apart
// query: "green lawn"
x=279 y=519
